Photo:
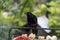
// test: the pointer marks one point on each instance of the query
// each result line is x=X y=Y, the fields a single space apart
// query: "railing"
x=9 y=37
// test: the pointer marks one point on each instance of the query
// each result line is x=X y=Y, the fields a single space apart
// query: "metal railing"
x=9 y=37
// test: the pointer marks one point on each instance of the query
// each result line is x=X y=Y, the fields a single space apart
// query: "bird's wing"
x=43 y=23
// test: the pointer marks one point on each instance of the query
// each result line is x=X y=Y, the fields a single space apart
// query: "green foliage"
x=54 y=16
x=40 y=9
x=18 y=16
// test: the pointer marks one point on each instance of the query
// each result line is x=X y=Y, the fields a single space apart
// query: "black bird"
x=31 y=23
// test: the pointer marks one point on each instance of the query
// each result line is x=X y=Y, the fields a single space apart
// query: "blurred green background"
x=12 y=13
